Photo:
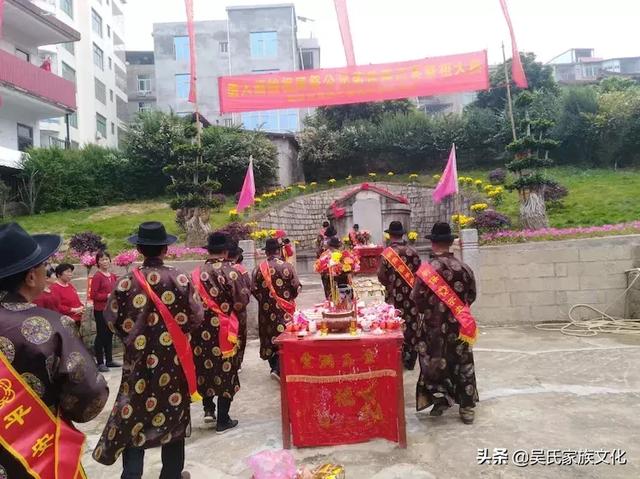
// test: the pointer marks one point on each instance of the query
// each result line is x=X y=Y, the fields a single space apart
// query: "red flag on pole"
x=448 y=184
x=1 y=15
x=519 y=77
x=193 y=97
x=345 y=31
x=248 y=193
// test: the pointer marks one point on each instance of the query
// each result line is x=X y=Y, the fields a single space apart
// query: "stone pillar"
x=470 y=249
x=249 y=248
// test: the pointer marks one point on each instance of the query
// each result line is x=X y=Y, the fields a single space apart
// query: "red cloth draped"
x=519 y=77
x=345 y=31
x=193 y=97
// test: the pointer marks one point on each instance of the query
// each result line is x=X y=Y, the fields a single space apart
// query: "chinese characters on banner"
x=355 y=84
x=342 y=392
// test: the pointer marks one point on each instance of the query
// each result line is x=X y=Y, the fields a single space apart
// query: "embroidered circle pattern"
x=175 y=399
x=165 y=339
x=206 y=335
x=139 y=440
x=158 y=420
x=124 y=285
x=214 y=292
x=112 y=433
x=233 y=275
x=153 y=319
x=34 y=383
x=280 y=328
x=204 y=276
x=127 y=325
x=168 y=297
x=127 y=411
x=226 y=366
x=182 y=280
x=153 y=278
x=139 y=301
x=135 y=430
x=164 y=380
x=181 y=318
x=140 y=342
x=75 y=367
x=151 y=404
x=166 y=439
x=140 y=386
x=208 y=364
x=215 y=322
x=8 y=349
x=216 y=351
x=114 y=306
x=36 y=330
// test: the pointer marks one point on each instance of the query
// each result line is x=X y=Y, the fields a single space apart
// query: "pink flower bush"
x=178 y=252
x=126 y=258
x=550 y=234
x=88 y=260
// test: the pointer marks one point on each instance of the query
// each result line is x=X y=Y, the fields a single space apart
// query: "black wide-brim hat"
x=218 y=242
x=334 y=242
x=441 y=233
x=152 y=233
x=20 y=251
x=271 y=244
x=395 y=228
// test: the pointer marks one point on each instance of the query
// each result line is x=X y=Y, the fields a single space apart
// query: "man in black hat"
x=397 y=274
x=152 y=310
x=40 y=355
x=329 y=233
x=215 y=343
x=275 y=286
x=447 y=374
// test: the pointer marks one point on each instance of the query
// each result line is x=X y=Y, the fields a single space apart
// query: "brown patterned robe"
x=245 y=276
x=153 y=403
x=218 y=376
x=272 y=319
x=446 y=363
x=44 y=348
x=398 y=294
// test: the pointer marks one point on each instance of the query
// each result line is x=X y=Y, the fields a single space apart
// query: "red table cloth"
x=340 y=389
x=370 y=257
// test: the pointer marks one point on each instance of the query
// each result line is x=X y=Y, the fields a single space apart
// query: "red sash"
x=228 y=331
x=45 y=445
x=180 y=341
x=399 y=265
x=461 y=311
x=287 y=306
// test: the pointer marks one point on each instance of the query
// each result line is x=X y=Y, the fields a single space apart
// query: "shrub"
x=490 y=220
x=218 y=200
x=236 y=230
x=554 y=192
x=87 y=242
x=497 y=176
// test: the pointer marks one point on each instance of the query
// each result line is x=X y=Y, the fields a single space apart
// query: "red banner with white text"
x=355 y=84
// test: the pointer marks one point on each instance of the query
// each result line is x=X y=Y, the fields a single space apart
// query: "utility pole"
x=509 y=99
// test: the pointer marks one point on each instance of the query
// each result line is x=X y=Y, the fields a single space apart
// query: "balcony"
x=30 y=26
x=55 y=95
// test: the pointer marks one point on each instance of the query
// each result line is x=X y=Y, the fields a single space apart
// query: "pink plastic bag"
x=272 y=464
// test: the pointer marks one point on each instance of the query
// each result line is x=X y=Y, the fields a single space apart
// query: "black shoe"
x=438 y=409
x=275 y=375
x=222 y=428
x=209 y=416
x=114 y=364
x=409 y=366
x=102 y=368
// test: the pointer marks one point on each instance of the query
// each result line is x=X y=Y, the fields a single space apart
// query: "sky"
x=397 y=30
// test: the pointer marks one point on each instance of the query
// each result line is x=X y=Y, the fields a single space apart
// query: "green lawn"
x=596 y=197
x=114 y=223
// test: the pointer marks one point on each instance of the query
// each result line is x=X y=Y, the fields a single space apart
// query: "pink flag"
x=345 y=31
x=519 y=77
x=193 y=97
x=248 y=193
x=448 y=184
x=1 y=15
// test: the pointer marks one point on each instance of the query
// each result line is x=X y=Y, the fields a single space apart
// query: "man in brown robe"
x=397 y=275
x=235 y=257
x=216 y=365
x=274 y=312
x=447 y=374
x=152 y=408
x=320 y=238
x=41 y=345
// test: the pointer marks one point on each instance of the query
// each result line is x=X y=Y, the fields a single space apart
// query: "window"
x=70 y=47
x=101 y=125
x=182 y=86
x=108 y=31
x=144 y=83
x=273 y=120
x=144 y=106
x=181 y=46
x=110 y=63
x=111 y=95
x=23 y=55
x=96 y=23
x=25 y=137
x=98 y=57
x=73 y=119
x=67 y=7
x=224 y=47
x=113 y=128
x=307 y=60
x=68 y=73
x=101 y=92
x=264 y=44
x=228 y=122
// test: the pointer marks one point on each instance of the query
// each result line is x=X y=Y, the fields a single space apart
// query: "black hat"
x=395 y=228
x=334 y=242
x=233 y=248
x=20 y=251
x=152 y=233
x=330 y=231
x=217 y=243
x=441 y=233
x=356 y=226
x=272 y=245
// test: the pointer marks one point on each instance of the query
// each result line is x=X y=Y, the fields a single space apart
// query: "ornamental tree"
x=530 y=156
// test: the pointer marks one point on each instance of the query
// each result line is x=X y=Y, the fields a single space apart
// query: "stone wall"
x=302 y=217
x=541 y=281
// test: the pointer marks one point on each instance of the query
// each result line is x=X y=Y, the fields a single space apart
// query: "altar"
x=341 y=389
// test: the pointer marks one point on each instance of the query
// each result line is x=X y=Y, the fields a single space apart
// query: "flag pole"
x=509 y=99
